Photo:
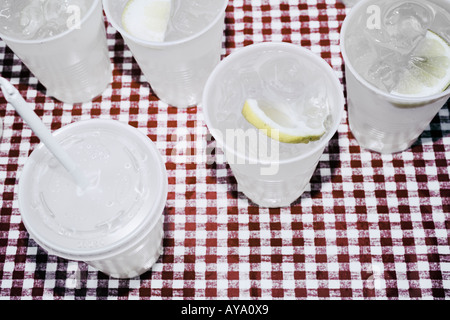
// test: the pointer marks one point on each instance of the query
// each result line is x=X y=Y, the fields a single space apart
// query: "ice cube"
x=357 y=45
x=382 y=74
x=54 y=9
x=229 y=95
x=379 y=38
x=50 y=28
x=187 y=17
x=361 y=51
x=31 y=19
x=6 y=16
x=407 y=25
x=315 y=111
x=183 y=22
x=199 y=12
x=250 y=81
x=5 y=11
x=58 y=10
x=414 y=14
x=283 y=78
x=401 y=38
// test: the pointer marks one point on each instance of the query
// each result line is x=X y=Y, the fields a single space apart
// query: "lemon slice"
x=147 y=19
x=428 y=71
x=279 y=125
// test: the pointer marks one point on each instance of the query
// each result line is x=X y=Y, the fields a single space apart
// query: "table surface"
x=369 y=226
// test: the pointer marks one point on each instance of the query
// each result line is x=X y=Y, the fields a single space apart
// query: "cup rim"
x=348 y=65
x=114 y=248
x=55 y=37
x=340 y=103
x=164 y=44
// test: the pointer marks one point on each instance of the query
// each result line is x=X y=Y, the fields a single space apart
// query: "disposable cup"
x=116 y=224
x=74 y=66
x=380 y=121
x=176 y=70
x=268 y=181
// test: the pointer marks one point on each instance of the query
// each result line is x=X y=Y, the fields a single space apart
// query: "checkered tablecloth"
x=369 y=226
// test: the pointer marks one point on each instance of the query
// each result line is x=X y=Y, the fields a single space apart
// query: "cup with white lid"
x=116 y=223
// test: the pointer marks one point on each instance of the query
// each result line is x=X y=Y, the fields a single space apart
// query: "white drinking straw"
x=13 y=96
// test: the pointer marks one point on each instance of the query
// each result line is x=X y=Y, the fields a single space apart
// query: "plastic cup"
x=267 y=181
x=176 y=70
x=380 y=121
x=116 y=224
x=74 y=66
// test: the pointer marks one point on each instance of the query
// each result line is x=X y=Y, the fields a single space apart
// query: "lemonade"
x=168 y=20
x=397 y=69
x=40 y=19
x=406 y=51
x=286 y=93
x=63 y=43
x=177 y=43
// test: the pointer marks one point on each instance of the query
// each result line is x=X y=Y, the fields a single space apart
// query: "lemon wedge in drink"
x=147 y=19
x=428 y=71
x=276 y=123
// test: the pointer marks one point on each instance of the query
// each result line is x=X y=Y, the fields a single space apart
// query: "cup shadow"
x=435 y=131
x=318 y=179
x=23 y=73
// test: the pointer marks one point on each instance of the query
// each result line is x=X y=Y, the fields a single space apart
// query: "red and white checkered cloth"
x=369 y=226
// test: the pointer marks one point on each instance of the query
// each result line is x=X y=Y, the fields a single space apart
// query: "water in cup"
x=63 y=43
x=168 y=20
x=402 y=47
x=32 y=20
x=281 y=94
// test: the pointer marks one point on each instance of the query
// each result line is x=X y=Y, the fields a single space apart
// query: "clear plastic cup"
x=176 y=70
x=74 y=65
x=267 y=180
x=380 y=121
x=116 y=224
